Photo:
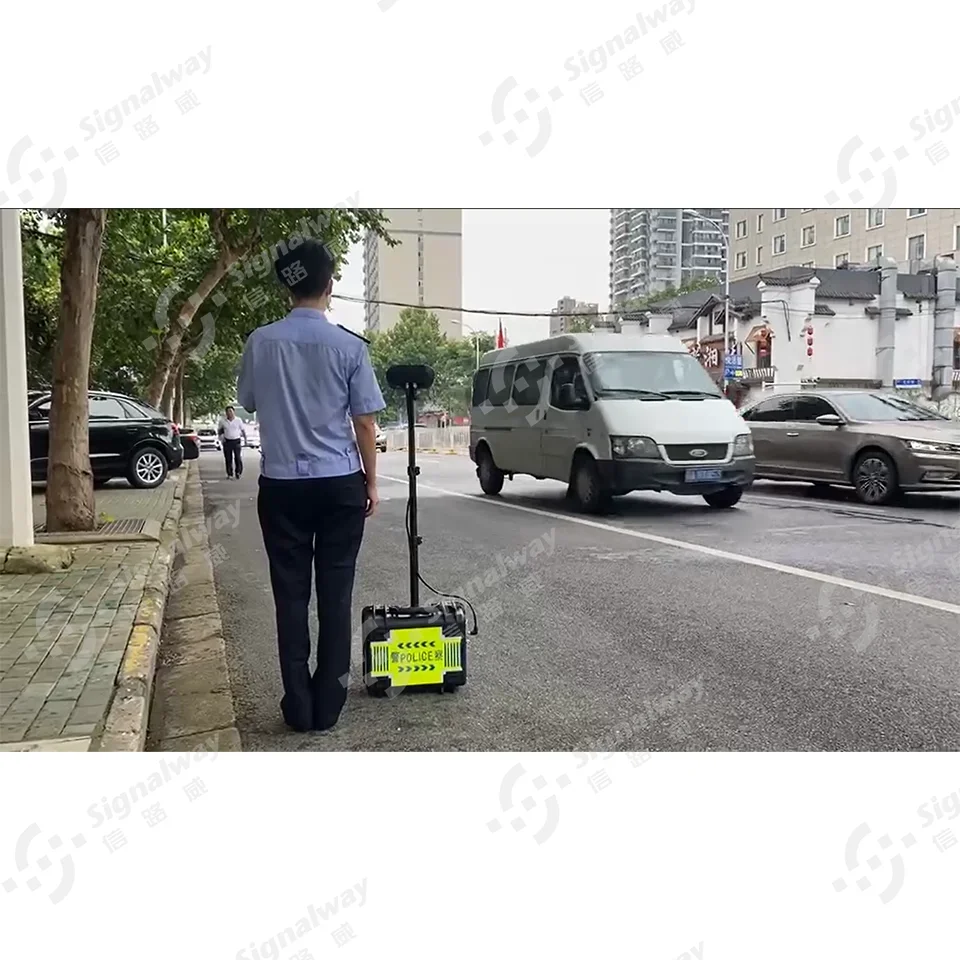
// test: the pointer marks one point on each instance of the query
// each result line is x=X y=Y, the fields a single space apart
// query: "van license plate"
x=699 y=476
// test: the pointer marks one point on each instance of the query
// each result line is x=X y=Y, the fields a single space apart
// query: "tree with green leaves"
x=416 y=338
x=663 y=296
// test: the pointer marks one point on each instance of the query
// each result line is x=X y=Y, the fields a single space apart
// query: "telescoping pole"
x=412 y=475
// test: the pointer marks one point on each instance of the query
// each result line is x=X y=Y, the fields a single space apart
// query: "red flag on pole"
x=501 y=340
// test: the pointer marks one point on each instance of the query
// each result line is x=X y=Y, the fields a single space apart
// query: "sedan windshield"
x=644 y=372
x=884 y=407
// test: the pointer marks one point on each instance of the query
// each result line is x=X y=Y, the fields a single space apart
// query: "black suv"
x=128 y=439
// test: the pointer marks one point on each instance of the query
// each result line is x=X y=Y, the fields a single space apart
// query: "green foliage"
x=580 y=325
x=147 y=272
x=416 y=338
x=670 y=293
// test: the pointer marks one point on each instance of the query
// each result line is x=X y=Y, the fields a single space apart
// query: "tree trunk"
x=178 y=405
x=166 y=401
x=70 y=501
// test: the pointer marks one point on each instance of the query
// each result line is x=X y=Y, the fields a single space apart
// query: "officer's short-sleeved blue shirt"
x=305 y=378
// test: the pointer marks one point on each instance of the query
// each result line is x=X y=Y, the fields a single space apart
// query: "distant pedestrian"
x=232 y=436
x=310 y=381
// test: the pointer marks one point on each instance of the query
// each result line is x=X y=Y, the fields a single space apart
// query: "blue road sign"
x=906 y=384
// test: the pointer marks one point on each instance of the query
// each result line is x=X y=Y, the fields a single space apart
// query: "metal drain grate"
x=114 y=527
x=121 y=526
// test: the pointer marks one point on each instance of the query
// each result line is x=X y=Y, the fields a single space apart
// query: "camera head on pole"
x=412 y=377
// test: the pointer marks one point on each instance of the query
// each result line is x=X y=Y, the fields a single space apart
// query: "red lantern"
x=809 y=341
x=809 y=351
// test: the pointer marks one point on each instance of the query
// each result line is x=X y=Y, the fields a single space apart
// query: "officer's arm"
x=245 y=393
x=366 y=401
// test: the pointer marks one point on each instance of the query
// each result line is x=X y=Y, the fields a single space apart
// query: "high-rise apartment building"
x=424 y=269
x=655 y=248
x=570 y=314
x=770 y=237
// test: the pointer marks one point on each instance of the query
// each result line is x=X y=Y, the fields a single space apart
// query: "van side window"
x=528 y=382
x=566 y=371
x=499 y=385
x=480 y=383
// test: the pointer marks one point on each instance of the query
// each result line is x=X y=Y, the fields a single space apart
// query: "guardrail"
x=429 y=438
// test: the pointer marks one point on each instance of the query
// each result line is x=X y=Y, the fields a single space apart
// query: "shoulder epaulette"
x=352 y=334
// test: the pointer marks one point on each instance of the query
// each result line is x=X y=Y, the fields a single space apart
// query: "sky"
x=522 y=260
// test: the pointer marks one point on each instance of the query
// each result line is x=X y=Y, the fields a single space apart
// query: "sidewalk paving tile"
x=63 y=635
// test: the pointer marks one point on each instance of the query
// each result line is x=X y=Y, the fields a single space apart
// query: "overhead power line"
x=490 y=313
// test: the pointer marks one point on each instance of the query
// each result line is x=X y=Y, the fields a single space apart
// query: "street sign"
x=908 y=384
x=732 y=366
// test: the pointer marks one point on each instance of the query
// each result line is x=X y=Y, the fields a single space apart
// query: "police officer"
x=307 y=379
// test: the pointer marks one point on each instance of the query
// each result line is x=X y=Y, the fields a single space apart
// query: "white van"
x=607 y=414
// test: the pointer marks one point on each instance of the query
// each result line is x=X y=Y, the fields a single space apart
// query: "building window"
x=875 y=216
x=842 y=226
x=779 y=213
x=759 y=223
x=808 y=236
x=840 y=259
x=741 y=229
x=741 y=259
x=875 y=252
x=779 y=244
x=916 y=211
x=916 y=247
x=956 y=239
x=759 y=255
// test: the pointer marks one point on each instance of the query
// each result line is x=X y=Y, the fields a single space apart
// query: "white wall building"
x=424 y=269
x=845 y=309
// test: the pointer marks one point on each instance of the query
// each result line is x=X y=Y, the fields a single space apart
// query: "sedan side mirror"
x=830 y=420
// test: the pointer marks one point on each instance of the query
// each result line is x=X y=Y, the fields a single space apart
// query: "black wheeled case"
x=423 y=647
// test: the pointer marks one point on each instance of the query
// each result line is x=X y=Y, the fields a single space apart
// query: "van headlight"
x=634 y=448
x=930 y=446
x=743 y=446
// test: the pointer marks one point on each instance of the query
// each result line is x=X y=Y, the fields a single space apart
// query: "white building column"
x=16 y=503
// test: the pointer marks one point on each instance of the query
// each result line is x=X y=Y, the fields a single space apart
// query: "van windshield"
x=623 y=373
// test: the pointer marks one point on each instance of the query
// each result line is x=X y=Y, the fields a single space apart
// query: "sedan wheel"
x=875 y=479
x=148 y=468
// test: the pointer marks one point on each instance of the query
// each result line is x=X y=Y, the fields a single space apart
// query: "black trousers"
x=313 y=527
x=231 y=455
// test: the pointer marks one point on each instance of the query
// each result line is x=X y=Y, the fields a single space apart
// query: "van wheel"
x=723 y=499
x=491 y=477
x=588 y=488
x=148 y=468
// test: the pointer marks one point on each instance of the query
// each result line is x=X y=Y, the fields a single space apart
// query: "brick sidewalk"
x=63 y=635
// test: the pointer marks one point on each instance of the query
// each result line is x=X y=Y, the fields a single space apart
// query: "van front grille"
x=680 y=452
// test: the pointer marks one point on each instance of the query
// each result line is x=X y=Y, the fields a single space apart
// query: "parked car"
x=875 y=441
x=381 y=440
x=128 y=438
x=190 y=442
x=252 y=432
x=209 y=440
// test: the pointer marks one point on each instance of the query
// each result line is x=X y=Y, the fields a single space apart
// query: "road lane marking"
x=919 y=601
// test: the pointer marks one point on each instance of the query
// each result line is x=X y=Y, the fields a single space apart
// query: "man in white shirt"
x=232 y=436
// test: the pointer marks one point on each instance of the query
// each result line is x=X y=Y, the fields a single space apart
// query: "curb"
x=125 y=728
x=202 y=717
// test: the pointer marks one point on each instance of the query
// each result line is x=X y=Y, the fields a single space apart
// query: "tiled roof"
x=822 y=310
x=875 y=312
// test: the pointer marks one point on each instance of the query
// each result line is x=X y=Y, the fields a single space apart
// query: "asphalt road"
x=664 y=626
